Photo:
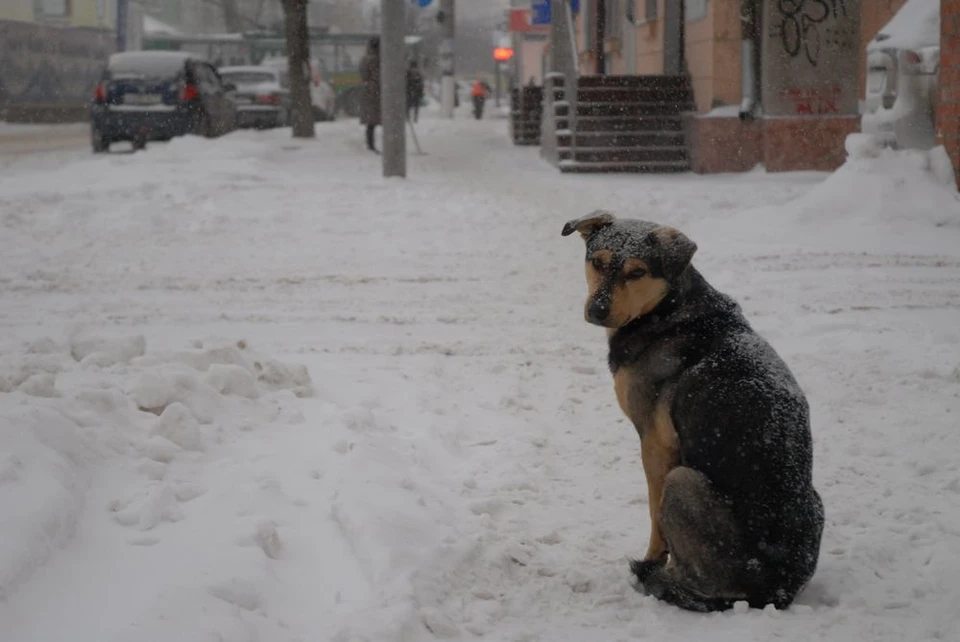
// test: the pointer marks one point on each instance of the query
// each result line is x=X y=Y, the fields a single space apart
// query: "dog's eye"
x=597 y=265
x=639 y=273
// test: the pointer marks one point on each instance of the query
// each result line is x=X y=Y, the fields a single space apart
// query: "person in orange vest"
x=479 y=95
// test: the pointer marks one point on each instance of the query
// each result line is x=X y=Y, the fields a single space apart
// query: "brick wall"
x=791 y=144
x=781 y=144
x=948 y=107
x=724 y=144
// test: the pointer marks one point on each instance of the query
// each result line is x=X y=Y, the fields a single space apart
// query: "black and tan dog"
x=724 y=427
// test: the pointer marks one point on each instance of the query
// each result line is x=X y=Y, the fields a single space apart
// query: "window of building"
x=650 y=10
x=695 y=9
x=56 y=8
x=613 y=25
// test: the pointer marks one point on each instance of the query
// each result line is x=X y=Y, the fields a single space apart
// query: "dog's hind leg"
x=701 y=533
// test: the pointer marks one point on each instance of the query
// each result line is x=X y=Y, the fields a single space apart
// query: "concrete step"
x=624 y=154
x=652 y=82
x=630 y=95
x=624 y=109
x=578 y=167
x=617 y=124
x=621 y=139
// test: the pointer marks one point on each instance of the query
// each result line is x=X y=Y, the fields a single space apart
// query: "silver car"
x=322 y=95
x=261 y=98
x=903 y=64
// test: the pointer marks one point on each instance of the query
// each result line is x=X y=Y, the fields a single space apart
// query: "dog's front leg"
x=659 y=455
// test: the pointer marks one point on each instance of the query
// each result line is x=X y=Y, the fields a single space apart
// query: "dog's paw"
x=642 y=569
x=654 y=585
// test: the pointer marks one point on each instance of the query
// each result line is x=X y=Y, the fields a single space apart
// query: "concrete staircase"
x=622 y=124
x=526 y=109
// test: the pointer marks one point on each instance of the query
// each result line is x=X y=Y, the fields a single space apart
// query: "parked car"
x=262 y=97
x=903 y=64
x=322 y=95
x=157 y=95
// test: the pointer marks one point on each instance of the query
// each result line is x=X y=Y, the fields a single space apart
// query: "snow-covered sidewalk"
x=252 y=391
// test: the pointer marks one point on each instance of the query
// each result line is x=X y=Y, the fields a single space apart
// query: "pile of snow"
x=881 y=185
x=68 y=407
x=916 y=25
x=880 y=199
x=207 y=470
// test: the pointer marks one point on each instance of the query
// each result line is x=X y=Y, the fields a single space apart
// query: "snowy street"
x=251 y=391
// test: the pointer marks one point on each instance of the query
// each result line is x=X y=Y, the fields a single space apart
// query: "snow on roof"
x=152 y=63
x=917 y=24
x=238 y=69
x=152 y=26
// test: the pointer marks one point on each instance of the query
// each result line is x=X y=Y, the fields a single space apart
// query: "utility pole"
x=123 y=19
x=447 y=18
x=393 y=87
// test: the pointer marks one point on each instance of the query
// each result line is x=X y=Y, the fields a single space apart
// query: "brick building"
x=807 y=129
x=771 y=82
x=948 y=106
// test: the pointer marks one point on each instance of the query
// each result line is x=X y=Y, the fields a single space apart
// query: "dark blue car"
x=157 y=95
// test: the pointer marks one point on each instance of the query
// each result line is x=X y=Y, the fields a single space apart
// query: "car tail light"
x=266 y=99
x=100 y=93
x=188 y=92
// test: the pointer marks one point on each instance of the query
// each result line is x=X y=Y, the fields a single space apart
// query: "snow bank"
x=882 y=185
x=42 y=481
x=250 y=512
x=65 y=408
x=881 y=199
x=917 y=24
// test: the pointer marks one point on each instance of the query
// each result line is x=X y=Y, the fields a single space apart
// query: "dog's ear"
x=676 y=250
x=589 y=224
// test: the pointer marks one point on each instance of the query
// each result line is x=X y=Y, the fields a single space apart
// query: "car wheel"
x=99 y=143
x=139 y=142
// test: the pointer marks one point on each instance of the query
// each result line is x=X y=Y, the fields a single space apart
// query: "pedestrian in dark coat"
x=370 y=100
x=414 y=91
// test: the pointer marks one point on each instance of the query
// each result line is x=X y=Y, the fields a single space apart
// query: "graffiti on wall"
x=50 y=67
x=817 y=101
x=805 y=26
x=813 y=63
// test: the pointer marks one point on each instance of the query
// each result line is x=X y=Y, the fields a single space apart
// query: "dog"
x=724 y=427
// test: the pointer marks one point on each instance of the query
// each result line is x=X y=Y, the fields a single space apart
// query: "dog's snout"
x=597 y=312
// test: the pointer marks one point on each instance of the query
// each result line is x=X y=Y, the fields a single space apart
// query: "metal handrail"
x=570 y=81
x=560 y=65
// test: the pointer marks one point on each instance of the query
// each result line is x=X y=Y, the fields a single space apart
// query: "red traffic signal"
x=502 y=54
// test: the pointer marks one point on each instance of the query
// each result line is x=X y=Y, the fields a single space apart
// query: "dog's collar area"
x=622 y=346
x=664 y=309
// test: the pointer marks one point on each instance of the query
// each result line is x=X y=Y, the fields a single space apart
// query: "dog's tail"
x=653 y=580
